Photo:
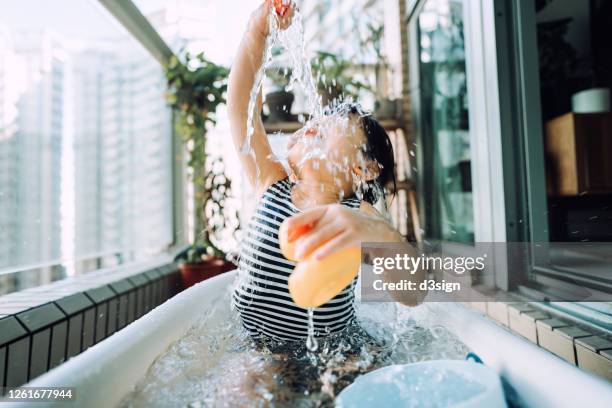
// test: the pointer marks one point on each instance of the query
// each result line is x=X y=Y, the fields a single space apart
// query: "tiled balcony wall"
x=578 y=345
x=42 y=327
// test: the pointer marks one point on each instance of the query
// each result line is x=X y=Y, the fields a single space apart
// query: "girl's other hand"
x=324 y=230
x=284 y=14
x=335 y=227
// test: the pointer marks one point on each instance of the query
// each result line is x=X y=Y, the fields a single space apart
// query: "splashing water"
x=218 y=364
x=259 y=78
x=292 y=40
x=311 y=341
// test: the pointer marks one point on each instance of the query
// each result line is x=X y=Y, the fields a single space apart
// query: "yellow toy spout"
x=315 y=282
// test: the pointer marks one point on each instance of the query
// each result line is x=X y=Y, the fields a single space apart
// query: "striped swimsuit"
x=261 y=296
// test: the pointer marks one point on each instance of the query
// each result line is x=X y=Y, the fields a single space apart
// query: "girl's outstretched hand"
x=331 y=228
x=283 y=10
x=282 y=6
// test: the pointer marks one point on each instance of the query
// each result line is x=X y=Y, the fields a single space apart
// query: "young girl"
x=335 y=164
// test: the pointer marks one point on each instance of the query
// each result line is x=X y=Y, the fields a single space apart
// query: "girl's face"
x=329 y=150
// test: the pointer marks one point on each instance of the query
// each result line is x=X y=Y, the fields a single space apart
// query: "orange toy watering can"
x=315 y=282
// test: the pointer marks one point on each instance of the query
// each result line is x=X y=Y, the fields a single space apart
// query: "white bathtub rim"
x=540 y=378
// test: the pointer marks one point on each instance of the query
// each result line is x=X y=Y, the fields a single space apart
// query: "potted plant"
x=196 y=87
x=280 y=100
x=334 y=77
x=204 y=259
x=196 y=264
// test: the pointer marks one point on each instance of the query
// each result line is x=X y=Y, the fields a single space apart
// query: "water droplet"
x=311 y=340
x=311 y=343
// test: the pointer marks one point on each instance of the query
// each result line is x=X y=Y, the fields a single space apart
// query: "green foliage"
x=374 y=40
x=196 y=87
x=334 y=75
x=278 y=73
x=217 y=191
x=373 y=43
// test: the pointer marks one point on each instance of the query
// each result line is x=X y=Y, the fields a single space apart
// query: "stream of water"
x=291 y=40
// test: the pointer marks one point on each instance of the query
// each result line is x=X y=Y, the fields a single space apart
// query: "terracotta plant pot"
x=197 y=272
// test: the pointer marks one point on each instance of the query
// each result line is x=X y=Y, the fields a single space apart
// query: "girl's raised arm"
x=261 y=166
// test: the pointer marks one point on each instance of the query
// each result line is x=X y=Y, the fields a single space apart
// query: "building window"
x=85 y=145
x=443 y=128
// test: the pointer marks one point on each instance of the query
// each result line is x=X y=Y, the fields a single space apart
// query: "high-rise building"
x=33 y=81
x=122 y=154
x=89 y=67
x=9 y=95
x=136 y=156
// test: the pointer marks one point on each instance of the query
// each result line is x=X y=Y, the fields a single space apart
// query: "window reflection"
x=444 y=126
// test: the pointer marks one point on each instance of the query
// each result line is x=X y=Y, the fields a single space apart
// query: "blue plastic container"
x=428 y=384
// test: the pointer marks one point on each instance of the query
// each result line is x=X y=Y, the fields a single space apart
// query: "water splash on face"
x=325 y=119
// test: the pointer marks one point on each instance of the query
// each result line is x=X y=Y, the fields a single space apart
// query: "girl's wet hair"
x=378 y=148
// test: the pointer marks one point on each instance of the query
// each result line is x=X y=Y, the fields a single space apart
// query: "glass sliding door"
x=559 y=61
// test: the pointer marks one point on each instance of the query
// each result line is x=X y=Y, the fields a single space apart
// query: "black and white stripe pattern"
x=261 y=296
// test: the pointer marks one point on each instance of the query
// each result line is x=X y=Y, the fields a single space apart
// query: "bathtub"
x=106 y=372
